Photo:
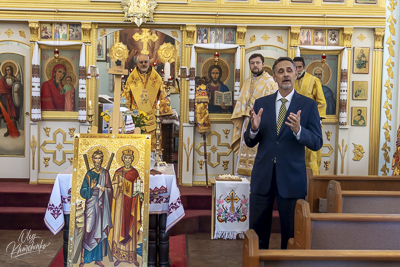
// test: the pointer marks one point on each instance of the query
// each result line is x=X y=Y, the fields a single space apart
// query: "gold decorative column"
x=241 y=35
x=373 y=164
x=86 y=27
x=34 y=28
x=294 y=41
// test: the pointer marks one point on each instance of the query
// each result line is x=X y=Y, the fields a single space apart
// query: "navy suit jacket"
x=283 y=150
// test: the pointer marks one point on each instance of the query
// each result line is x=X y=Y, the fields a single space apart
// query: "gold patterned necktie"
x=281 y=116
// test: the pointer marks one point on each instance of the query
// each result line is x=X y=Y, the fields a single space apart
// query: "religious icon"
x=12 y=122
x=360 y=90
x=361 y=60
x=319 y=37
x=230 y=35
x=202 y=35
x=101 y=49
x=60 y=80
x=46 y=31
x=219 y=81
x=333 y=37
x=110 y=189
x=75 y=31
x=327 y=74
x=216 y=35
x=305 y=37
x=359 y=116
x=60 y=31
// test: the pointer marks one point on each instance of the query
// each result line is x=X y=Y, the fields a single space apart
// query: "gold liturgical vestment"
x=142 y=91
x=252 y=89
x=310 y=86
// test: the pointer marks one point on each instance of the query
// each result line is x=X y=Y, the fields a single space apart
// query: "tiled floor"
x=202 y=251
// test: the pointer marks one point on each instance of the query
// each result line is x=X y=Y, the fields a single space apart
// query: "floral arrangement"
x=238 y=215
x=140 y=119
x=106 y=117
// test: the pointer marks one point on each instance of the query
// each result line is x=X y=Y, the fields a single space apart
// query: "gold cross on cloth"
x=145 y=37
x=231 y=198
x=281 y=116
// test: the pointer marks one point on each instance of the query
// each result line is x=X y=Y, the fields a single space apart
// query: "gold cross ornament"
x=145 y=37
x=231 y=198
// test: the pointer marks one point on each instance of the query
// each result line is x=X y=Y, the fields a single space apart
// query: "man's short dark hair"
x=283 y=59
x=299 y=59
x=257 y=55
x=215 y=67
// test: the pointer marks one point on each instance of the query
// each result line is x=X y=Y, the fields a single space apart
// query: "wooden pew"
x=344 y=231
x=318 y=184
x=361 y=201
x=254 y=257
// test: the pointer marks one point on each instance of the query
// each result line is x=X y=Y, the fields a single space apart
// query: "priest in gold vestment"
x=143 y=88
x=310 y=86
x=259 y=84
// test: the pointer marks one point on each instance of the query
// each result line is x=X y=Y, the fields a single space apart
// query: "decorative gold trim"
x=103 y=32
x=219 y=154
x=47 y=131
x=9 y=32
x=328 y=135
x=33 y=148
x=378 y=40
x=59 y=115
x=294 y=36
x=279 y=39
x=326 y=164
x=71 y=132
x=190 y=31
x=199 y=183
x=46 y=161
x=358 y=152
x=387 y=106
x=265 y=45
x=361 y=37
x=46 y=181
x=64 y=152
x=188 y=151
x=265 y=37
x=342 y=150
x=174 y=34
x=241 y=35
x=253 y=38
x=375 y=114
x=226 y=132
x=347 y=34
x=86 y=28
x=22 y=34
x=330 y=151
x=201 y=162
x=34 y=29
x=225 y=164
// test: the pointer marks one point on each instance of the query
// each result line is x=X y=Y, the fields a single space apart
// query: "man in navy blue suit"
x=279 y=169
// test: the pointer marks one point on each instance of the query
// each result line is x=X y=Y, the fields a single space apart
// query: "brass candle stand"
x=158 y=137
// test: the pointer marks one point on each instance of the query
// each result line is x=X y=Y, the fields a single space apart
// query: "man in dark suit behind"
x=280 y=169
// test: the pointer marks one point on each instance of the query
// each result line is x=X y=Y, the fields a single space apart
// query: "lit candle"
x=90 y=108
x=216 y=55
x=167 y=70
x=155 y=64
x=158 y=108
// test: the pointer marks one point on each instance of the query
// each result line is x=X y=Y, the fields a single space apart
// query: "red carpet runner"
x=177 y=253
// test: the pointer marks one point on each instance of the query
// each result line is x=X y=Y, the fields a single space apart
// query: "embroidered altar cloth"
x=232 y=208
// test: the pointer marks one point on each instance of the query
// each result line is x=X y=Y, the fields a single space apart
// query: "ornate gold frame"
x=338 y=52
